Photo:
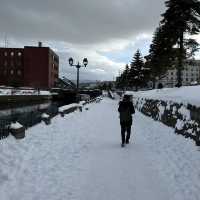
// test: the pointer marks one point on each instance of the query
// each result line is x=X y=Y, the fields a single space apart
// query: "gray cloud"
x=81 y=28
x=79 y=21
x=99 y=67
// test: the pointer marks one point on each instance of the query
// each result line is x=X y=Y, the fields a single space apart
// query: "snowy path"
x=79 y=157
x=116 y=173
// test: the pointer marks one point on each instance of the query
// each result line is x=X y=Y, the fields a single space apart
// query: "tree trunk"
x=180 y=62
x=136 y=88
x=154 y=84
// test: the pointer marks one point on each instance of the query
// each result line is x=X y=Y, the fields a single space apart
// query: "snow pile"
x=139 y=103
x=15 y=125
x=25 y=109
x=81 y=103
x=98 y=99
x=174 y=110
x=12 y=91
x=179 y=125
x=110 y=94
x=5 y=92
x=44 y=92
x=116 y=96
x=67 y=107
x=105 y=93
x=184 y=112
x=45 y=116
x=185 y=95
x=161 y=110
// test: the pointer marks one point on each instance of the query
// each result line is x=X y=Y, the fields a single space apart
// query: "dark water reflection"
x=27 y=115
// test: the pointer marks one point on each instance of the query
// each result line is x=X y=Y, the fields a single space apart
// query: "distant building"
x=190 y=75
x=30 y=66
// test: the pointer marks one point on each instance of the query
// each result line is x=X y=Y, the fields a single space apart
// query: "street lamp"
x=78 y=66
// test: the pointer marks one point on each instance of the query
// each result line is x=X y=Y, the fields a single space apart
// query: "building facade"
x=11 y=66
x=36 y=67
x=190 y=75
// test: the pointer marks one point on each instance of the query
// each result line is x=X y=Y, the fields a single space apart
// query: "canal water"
x=27 y=115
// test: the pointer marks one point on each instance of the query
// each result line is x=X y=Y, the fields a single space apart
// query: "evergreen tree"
x=161 y=54
x=182 y=16
x=154 y=59
x=136 y=74
x=122 y=80
x=118 y=82
x=125 y=76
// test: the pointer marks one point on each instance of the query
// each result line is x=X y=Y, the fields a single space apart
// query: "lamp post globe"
x=85 y=62
x=78 y=66
x=71 y=61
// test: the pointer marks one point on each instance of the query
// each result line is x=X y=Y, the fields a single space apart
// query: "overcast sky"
x=107 y=32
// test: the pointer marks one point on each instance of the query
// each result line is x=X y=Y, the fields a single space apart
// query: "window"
x=5 y=63
x=12 y=53
x=172 y=73
x=12 y=72
x=18 y=63
x=19 y=72
x=19 y=54
x=5 y=53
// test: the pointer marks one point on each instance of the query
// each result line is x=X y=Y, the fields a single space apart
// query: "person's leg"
x=128 y=128
x=123 y=130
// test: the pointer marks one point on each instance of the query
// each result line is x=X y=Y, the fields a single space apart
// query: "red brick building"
x=36 y=67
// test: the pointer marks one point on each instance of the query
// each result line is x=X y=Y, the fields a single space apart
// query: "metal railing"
x=4 y=128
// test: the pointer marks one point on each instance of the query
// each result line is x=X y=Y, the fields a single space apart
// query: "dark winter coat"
x=126 y=109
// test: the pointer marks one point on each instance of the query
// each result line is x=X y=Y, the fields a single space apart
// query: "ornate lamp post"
x=78 y=66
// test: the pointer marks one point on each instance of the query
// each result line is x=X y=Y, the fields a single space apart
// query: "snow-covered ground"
x=186 y=94
x=78 y=157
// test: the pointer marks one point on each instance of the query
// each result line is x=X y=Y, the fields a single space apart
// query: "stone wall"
x=185 y=119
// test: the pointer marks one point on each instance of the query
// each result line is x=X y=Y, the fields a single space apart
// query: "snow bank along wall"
x=185 y=119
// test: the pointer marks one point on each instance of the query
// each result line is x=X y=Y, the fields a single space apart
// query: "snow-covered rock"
x=15 y=125
x=45 y=116
x=172 y=114
x=179 y=124
x=184 y=112
x=66 y=107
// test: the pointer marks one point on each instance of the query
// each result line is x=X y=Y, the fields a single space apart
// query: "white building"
x=190 y=75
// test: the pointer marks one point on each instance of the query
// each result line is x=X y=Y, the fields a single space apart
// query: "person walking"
x=126 y=109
